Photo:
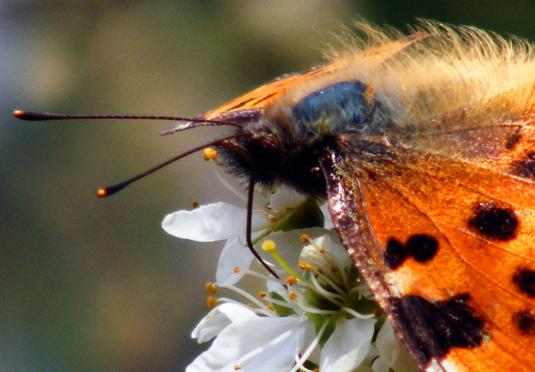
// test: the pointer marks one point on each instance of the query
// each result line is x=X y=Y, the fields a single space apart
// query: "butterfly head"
x=283 y=143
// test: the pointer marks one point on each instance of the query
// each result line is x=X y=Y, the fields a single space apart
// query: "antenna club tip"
x=102 y=193
x=18 y=114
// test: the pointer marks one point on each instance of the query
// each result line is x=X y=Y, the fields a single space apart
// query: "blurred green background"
x=97 y=285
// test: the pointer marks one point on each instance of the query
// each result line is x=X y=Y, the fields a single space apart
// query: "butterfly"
x=424 y=148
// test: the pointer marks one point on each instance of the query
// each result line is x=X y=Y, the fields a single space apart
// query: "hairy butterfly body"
x=424 y=147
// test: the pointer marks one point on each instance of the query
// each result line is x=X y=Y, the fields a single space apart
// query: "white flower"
x=309 y=316
x=317 y=313
x=223 y=221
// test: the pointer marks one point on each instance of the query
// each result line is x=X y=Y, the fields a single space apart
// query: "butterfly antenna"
x=104 y=192
x=190 y=122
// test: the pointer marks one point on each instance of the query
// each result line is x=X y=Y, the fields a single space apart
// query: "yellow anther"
x=305 y=266
x=209 y=153
x=293 y=296
x=269 y=245
x=236 y=269
x=323 y=250
x=210 y=288
x=195 y=204
x=262 y=294
x=211 y=301
x=305 y=239
x=270 y=306
x=237 y=367
x=292 y=280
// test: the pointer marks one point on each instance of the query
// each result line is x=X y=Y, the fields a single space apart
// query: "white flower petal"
x=211 y=222
x=234 y=255
x=387 y=344
x=371 y=358
x=260 y=344
x=328 y=224
x=336 y=251
x=210 y=326
x=218 y=319
x=391 y=353
x=285 y=197
x=335 y=256
x=237 y=313
x=347 y=347
x=379 y=365
x=274 y=285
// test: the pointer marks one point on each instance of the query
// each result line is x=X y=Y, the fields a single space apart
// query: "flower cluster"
x=317 y=315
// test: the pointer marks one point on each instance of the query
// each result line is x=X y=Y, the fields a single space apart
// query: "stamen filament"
x=358 y=289
x=333 y=284
x=356 y=314
x=312 y=310
x=306 y=354
x=312 y=287
x=343 y=274
x=328 y=295
x=277 y=257
x=288 y=305
x=248 y=296
x=257 y=275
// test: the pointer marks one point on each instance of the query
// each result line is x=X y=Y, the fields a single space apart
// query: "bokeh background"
x=97 y=285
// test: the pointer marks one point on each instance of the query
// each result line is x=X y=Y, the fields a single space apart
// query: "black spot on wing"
x=494 y=222
x=524 y=321
x=524 y=167
x=395 y=253
x=524 y=279
x=432 y=329
x=421 y=247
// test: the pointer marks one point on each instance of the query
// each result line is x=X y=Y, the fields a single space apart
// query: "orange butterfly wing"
x=264 y=96
x=447 y=247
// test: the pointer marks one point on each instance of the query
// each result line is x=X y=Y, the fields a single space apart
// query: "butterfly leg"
x=248 y=232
